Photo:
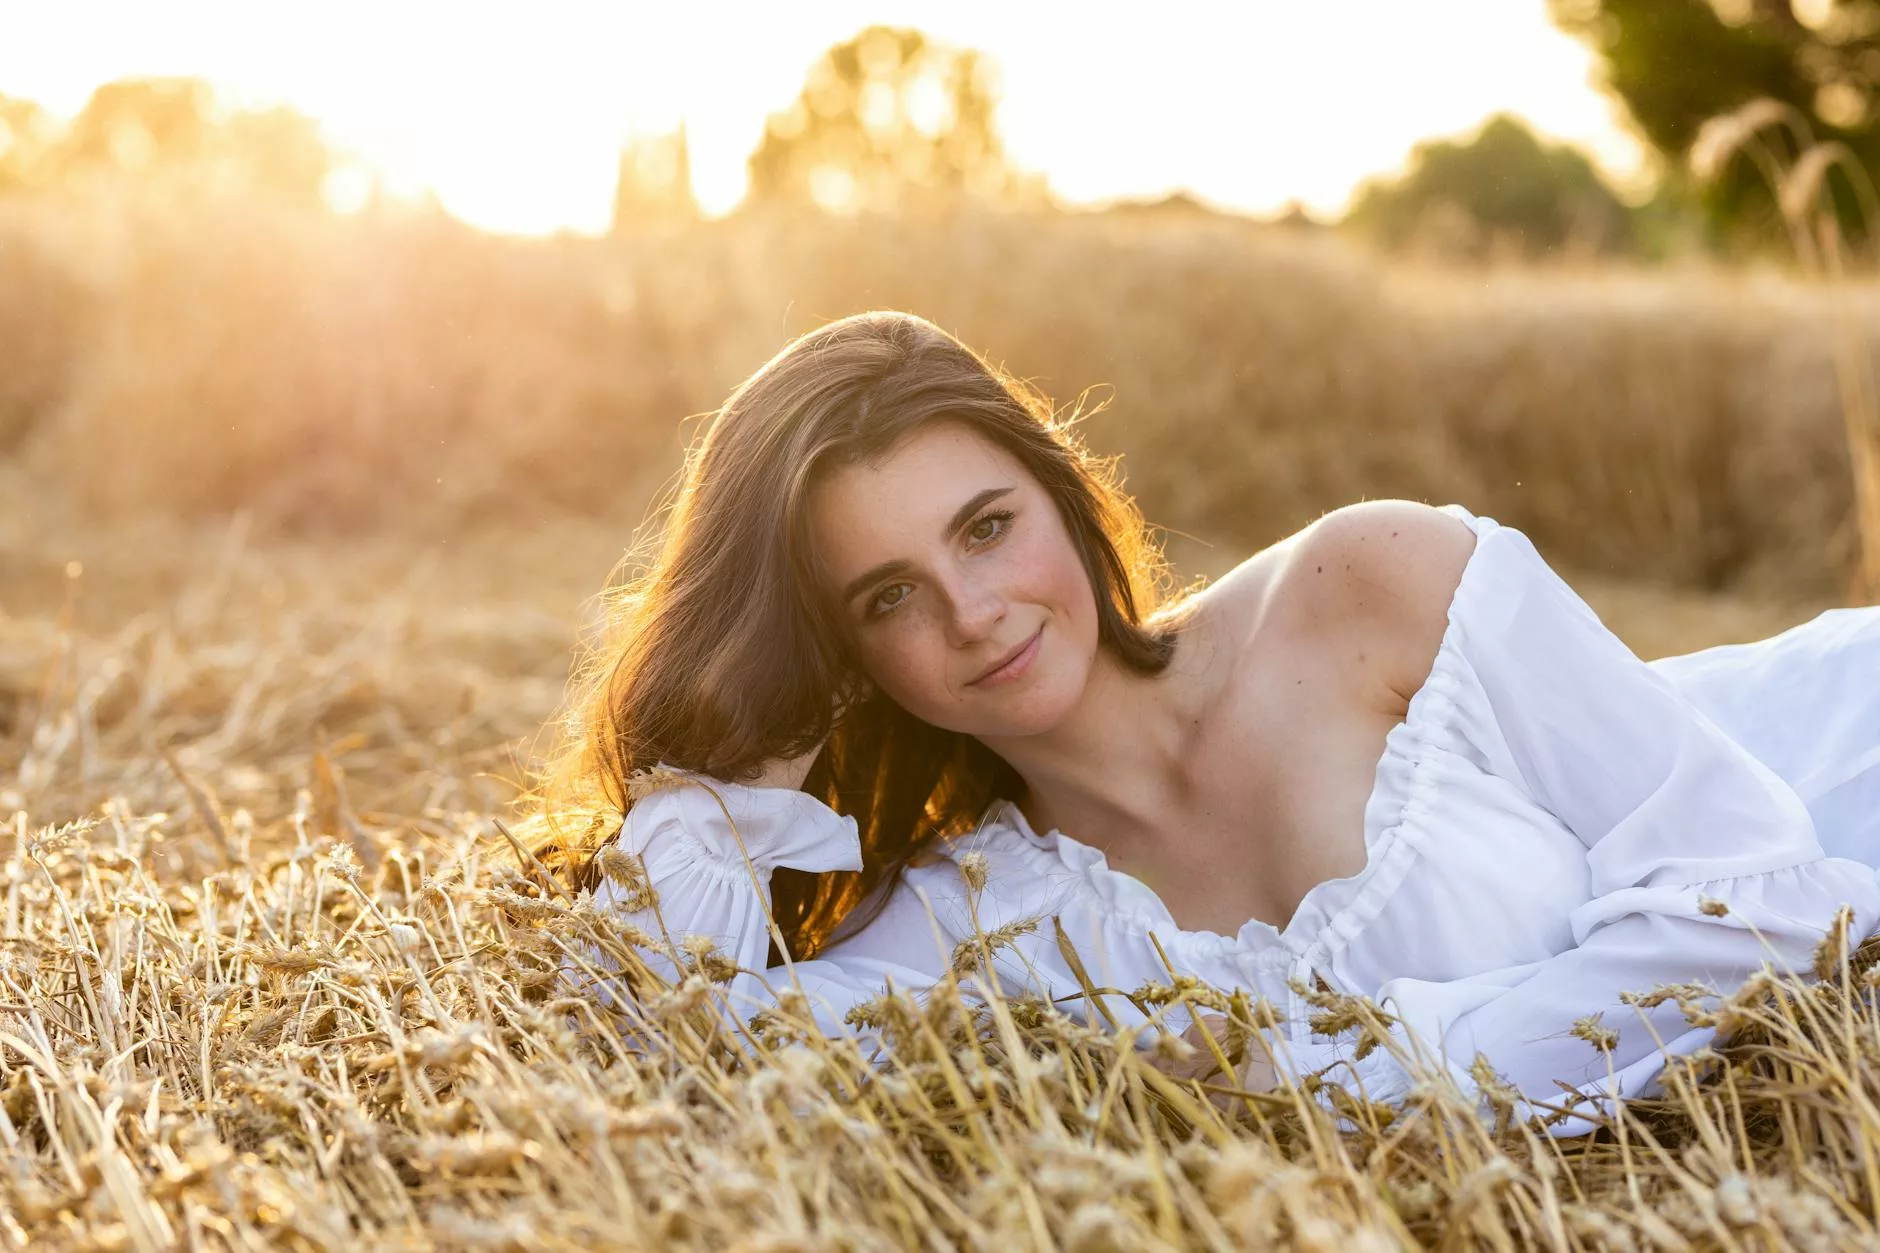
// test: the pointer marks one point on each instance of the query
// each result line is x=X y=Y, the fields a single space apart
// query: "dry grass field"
x=299 y=526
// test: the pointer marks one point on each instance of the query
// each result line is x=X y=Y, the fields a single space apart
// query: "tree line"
x=893 y=121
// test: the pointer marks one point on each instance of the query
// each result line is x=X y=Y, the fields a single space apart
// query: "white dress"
x=1543 y=827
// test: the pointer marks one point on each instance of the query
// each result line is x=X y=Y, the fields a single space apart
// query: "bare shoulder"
x=1231 y=607
x=1376 y=579
x=1371 y=581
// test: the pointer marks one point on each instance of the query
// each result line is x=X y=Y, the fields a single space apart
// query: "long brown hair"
x=726 y=651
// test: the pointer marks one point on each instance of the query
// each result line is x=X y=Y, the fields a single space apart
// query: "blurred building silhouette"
x=655 y=181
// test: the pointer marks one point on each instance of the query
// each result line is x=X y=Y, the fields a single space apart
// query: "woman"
x=1394 y=753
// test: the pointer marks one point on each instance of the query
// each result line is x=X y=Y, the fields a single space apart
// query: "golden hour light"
x=514 y=125
x=886 y=624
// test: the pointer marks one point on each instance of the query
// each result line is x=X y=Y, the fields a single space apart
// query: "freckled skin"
x=969 y=599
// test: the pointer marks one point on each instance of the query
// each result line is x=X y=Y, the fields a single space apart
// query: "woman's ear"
x=859 y=690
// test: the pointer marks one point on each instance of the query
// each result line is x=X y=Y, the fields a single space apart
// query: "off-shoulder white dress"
x=1543 y=827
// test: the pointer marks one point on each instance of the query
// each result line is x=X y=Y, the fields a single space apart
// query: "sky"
x=513 y=113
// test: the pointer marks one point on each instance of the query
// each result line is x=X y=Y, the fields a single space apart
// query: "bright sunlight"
x=514 y=125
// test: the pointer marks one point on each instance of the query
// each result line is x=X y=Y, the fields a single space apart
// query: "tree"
x=1502 y=187
x=1678 y=63
x=278 y=152
x=138 y=124
x=886 y=121
x=27 y=136
x=145 y=128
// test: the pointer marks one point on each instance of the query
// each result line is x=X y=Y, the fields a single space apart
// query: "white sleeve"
x=1672 y=812
x=710 y=866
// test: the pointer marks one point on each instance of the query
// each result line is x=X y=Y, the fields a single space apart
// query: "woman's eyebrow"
x=964 y=513
x=861 y=582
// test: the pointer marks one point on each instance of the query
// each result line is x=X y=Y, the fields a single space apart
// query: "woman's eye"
x=984 y=530
x=990 y=527
x=888 y=597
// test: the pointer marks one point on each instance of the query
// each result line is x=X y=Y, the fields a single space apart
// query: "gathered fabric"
x=1554 y=824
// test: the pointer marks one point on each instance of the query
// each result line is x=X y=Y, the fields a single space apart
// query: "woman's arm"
x=694 y=858
x=1209 y=1031
x=787 y=772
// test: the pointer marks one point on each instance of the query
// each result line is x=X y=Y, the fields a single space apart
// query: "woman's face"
x=946 y=558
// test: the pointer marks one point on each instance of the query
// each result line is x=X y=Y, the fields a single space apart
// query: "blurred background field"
x=350 y=378
x=307 y=482
x=357 y=405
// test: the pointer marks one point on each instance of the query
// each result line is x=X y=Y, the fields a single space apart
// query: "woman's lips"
x=1016 y=667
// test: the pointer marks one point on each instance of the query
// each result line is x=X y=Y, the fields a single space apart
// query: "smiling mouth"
x=1021 y=651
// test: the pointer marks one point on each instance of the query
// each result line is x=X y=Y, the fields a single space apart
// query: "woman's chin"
x=1034 y=713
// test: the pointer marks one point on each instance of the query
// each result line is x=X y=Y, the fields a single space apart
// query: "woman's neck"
x=1117 y=760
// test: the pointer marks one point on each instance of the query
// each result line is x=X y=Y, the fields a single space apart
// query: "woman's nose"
x=977 y=608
